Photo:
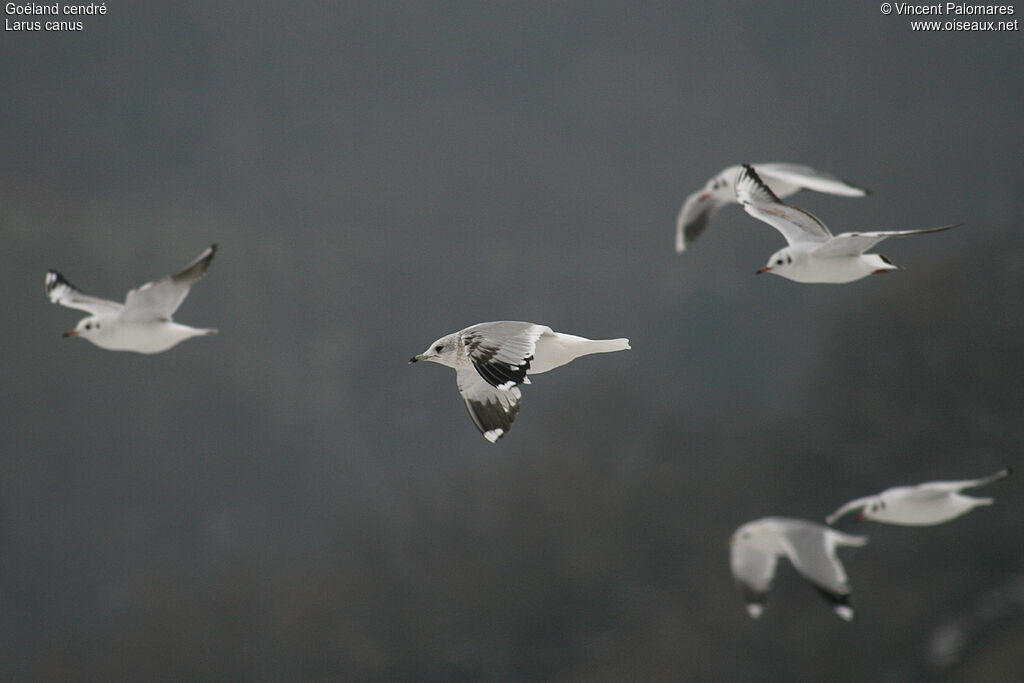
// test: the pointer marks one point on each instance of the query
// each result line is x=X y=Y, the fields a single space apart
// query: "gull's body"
x=491 y=359
x=811 y=548
x=783 y=179
x=143 y=323
x=814 y=254
x=926 y=504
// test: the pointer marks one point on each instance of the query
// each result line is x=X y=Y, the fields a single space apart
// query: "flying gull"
x=814 y=254
x=926 y=504
x=811 y=548
x=492 y=359
x=783 y=179
x=143 y=322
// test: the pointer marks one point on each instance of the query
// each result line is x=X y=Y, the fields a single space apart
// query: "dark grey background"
x=290 y=500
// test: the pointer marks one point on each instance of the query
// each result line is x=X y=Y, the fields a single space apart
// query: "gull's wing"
x=810 y=179
x=812 y=550
x=160 y=299
x=693 y=218
x=856 y=243
x=849 y=507
x=62 y=292
x=956 y=486
x=501 y=351
x=757 y=199
x=753 y=569
x=492 y=408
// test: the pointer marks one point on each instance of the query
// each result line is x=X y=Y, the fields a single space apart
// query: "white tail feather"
x=556 y=349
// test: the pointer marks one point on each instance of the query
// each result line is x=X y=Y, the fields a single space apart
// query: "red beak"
x=763 y=270
x=71 y=333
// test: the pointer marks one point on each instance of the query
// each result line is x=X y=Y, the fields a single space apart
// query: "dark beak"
x=762 y=270
x=414 y=359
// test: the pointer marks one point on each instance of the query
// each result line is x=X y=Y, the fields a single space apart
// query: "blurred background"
x=290 y=500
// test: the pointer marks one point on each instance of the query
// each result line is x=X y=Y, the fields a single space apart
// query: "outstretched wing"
x=502 y=351
x=812 y=550
x=809 y=178
x=757 y=199
x=693 y=218
x=158 y=300
x=856 y=243
x=62 y=292
x=753 y=569
x=492 y=408
x=957 y=486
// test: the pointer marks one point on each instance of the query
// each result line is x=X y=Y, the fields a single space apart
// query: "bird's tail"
x=557 y=349
x=604 y=345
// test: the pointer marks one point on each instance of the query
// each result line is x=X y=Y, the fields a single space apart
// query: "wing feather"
x=758 y=200
x=161 y=298
x=753 y=569
x=855 y=243
x=502 y=351
x=808 y=178
x=812 y=550
x=493 y=409
x=62 y=292
x=693 y=218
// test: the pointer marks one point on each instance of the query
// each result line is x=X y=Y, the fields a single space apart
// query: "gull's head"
x=750 y=535
x=741 y=535
x=86 y=327
x=779 y=263
x=720 y=188
x=871 y=510
x=761 y=535
x=442 y=351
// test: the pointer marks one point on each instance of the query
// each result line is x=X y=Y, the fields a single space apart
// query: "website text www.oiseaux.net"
x=956 y=16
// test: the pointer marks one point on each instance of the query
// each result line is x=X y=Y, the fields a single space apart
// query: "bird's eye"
x=88 y=326
x=438 y=348
x=779 y=262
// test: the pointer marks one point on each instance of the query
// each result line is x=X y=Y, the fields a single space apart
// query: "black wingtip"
x=748 y=171
x=492 y=419
x=840 y=602
x=57 y=280
x=197 y=268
